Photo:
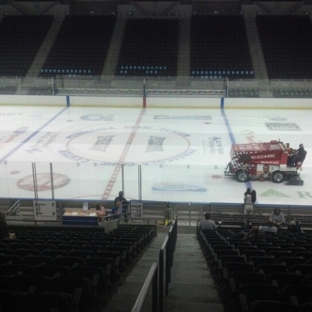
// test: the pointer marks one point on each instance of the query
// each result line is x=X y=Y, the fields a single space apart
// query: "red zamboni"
x=263 y=161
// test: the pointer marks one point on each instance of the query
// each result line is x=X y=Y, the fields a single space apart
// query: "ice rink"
x=178 y=154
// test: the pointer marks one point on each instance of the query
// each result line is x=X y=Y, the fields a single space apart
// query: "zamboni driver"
x=298 y=155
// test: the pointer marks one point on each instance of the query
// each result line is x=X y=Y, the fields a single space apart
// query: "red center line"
x=123 y=155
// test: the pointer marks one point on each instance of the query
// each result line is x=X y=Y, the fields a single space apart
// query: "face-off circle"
x=141 y=145
x=43 y=182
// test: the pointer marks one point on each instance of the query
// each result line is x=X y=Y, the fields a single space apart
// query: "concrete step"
x=126 y=295
x=191 y=287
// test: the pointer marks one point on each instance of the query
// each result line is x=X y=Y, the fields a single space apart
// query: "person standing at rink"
x=123 y=202
x=248 y=204
x=253 y=196
x=117 y=209
x=4 y=229
x=248 y=191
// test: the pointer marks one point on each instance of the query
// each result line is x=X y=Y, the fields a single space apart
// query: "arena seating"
x=149 y=48
x=219 y=47
x=246 y=273
x=287 y=45
x=292 y=93
x=7 y=90
x=39 y=91
x=80 y=47
x=20 y=39
x=79 y=271
x=243 y=92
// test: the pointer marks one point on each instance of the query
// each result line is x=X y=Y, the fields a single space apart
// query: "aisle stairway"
x=114 y=48
x=256 y=53
x=191 y=288
x=44 y=50
x=127 y=294
x=183 y=73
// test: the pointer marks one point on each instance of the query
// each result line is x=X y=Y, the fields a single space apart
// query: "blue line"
x=67 y=100
x=231 y=135
x=228 y=127
x=222 y=103
x=31 y=136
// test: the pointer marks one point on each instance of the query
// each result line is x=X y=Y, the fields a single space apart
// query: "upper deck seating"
x=287 y=45
x=20 y=39
x=80 y=47
x=149 y=48
x=219 y=47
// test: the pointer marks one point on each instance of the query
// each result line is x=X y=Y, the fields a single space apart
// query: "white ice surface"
x=182 y=152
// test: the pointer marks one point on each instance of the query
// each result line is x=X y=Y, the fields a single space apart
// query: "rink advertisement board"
x=170 y=101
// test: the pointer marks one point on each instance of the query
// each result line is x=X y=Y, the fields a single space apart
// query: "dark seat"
x=9 y=258
x=69 y=261
x=67 y=247
x=230 y=297
x=107 y=264
x=42 y=247
x=97 y=277
x=307 y=307
x=93 y=247
x=268 y=268
x=38 y=259
x=301 y=291
x=307 y=255
x=16 y=268
x=10 y=300
x=130 y=245
x=273 y=306
x=15 y=246
x=25 y=252
x=54 y=253
x=74 y=286
x=84 y=254
x=280 y=253
x=24 y=282
x=230 y=267
x=251 y=292
x=48 y=302
x=253 y=253
x=256 y=260
x=289 y=261
x=52 y=270
x=304 y=269
x=119 y=262
x=213 y=259
x=285 y=278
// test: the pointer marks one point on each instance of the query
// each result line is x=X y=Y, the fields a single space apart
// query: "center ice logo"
x=130 y=145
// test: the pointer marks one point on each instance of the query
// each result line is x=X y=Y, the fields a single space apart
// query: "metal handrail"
x=15 y=207
x=151 y=279
x=167 y=249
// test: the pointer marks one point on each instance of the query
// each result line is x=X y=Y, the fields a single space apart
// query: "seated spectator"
x=254 y=234
x=246 y=227
x=100 y=212
x=269 y=228
x=294 y=227
x=207 y=224
x=117 y=209
x=4 y=229
x=277 y=217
